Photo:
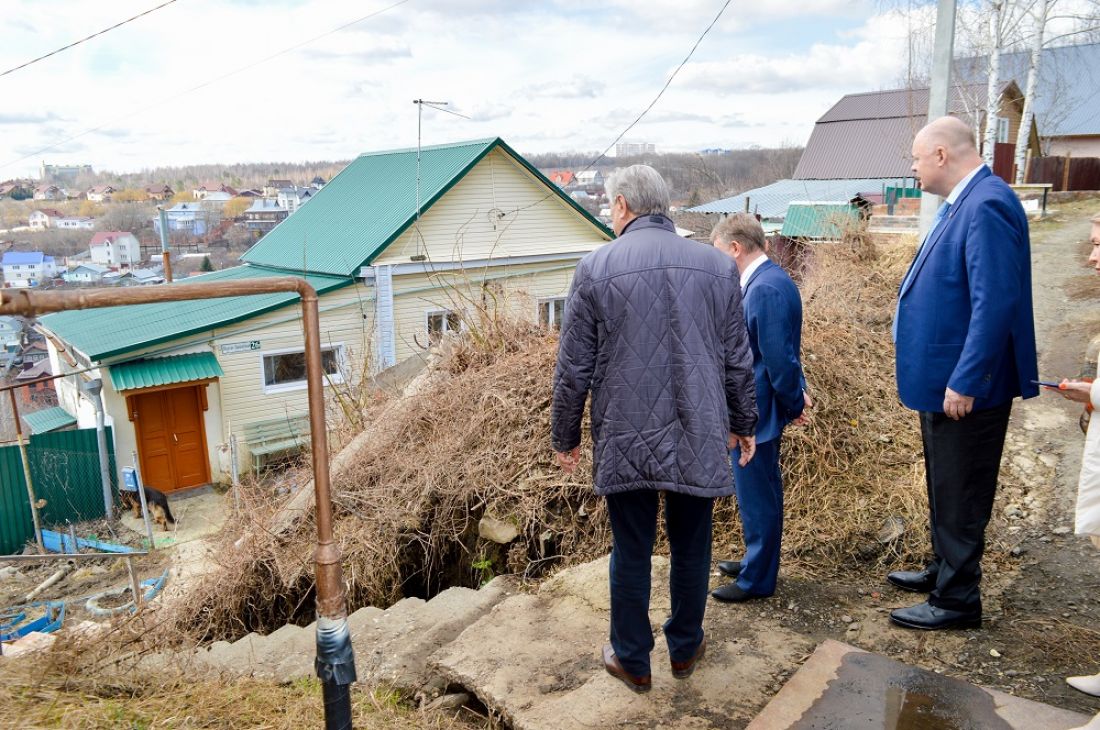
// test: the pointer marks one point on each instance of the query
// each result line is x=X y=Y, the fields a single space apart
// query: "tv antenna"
x=438 y=106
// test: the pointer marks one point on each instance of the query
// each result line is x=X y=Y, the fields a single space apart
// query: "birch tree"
x=1023 y=136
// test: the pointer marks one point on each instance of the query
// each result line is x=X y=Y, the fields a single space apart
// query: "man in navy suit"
x=965 y=340
x=773 y=313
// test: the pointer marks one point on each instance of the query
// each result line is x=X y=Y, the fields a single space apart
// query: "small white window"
x=287 y=370
x=1002 y=130
x=440 y=321
x=551 y=312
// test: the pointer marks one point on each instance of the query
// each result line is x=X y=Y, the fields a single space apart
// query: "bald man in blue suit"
x=773 y=314
x=965 y=342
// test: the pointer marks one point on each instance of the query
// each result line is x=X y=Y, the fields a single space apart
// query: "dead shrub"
x=475 y=442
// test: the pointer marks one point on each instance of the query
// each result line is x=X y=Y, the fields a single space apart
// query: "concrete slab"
x=842 y=687
x=199 y=513
x=535 y=660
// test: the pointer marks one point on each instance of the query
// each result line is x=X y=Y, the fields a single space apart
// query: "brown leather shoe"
x=683 y=670
x=611 y=664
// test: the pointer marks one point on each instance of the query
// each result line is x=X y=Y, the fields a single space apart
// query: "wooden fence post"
x=1065 y=172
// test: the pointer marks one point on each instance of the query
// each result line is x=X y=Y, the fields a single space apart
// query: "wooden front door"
x=171 y=438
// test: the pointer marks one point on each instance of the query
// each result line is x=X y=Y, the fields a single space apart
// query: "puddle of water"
x=872 y=691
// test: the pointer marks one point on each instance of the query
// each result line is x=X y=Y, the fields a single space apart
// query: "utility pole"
x=163 y=217
x=938 y=93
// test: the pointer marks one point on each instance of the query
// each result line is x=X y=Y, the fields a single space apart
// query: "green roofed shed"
x=819 y=221
x=350 y=221
x=112 y=331
x=157 y=371
x=50 y=419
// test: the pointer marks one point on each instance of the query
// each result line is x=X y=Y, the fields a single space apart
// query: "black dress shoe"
x=733 y=593
x=729 y=568
x=930 y=618
x=917 y=581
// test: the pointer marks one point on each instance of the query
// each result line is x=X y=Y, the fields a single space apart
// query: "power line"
x=663 y=88
x=203 y=85
x=645 y=111
x=88 y=38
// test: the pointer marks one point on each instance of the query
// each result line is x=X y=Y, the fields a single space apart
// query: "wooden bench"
x=277 y=436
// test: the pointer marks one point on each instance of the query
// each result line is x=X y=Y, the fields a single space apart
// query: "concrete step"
x=391 y=646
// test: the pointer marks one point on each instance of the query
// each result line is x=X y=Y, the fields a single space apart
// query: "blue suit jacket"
x=964 y=316
x=773 y=313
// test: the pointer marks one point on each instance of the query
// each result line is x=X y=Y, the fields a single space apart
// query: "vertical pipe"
x=144 y=504
x=94 y=390
x=938 y=92
x=163 y=217
x=27 y=472
x=335 y=662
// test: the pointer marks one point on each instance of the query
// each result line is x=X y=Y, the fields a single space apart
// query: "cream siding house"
x=180 y=378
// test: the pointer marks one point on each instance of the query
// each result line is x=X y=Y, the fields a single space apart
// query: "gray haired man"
x=653 y=328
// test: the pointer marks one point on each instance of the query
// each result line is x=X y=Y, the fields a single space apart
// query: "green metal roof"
x=50 y=419
x=371 y=202
x=111 y=331
x=818 y=220
x=165 y=371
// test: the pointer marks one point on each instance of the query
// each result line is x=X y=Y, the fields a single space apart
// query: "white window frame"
x=1003 y=125
x=551 y=324
x=446 y=321
x=337 y=377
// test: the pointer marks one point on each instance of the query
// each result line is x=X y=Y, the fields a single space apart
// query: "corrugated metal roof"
x=149 y=373
x=111 y=331
x=49 y=419
x=771 y=201
x=818 y=221
x=1065 y=97
x=373 y=201
x=871 y=134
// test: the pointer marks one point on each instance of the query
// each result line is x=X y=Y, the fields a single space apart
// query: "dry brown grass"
x=476 y=442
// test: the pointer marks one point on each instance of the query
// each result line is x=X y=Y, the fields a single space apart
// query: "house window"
x=1002 y=130
x=551 y=312
x=440 y=321
x=287 y=370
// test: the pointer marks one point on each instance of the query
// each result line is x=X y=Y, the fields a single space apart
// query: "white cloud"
x=545 y=76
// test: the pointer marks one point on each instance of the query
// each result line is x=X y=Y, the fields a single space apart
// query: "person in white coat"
x=1087 y=520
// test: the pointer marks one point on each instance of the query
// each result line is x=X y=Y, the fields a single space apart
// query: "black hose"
x=335 y=665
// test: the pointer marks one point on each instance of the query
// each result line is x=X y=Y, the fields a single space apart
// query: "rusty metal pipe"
x=335 y=662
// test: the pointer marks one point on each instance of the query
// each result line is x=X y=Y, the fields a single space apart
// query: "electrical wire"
x=645 y=111
x=88 y=38
x=203 y=85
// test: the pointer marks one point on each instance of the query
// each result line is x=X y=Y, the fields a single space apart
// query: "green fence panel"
x=16 y=526
x=65 y=470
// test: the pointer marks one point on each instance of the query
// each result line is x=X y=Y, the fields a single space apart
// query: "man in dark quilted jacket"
x=653 y=328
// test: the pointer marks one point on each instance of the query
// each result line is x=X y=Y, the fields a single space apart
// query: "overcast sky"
x=550 y=75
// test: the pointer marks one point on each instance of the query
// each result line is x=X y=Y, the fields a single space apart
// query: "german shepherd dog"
x=157 y=503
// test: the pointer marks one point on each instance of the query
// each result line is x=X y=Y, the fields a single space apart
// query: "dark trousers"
x=961 y=459
x=760 y=500
x=634 y=530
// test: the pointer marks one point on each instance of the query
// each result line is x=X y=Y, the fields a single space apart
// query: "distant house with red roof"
x=48 y=192
x=159 y=192
x=44 y=218
x=101 y=193
x=562 y=178
x=115 y=249
x=213 y=191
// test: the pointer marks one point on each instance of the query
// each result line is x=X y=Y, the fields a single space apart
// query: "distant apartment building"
x=24 y=269
x=635 y=149
x=62 y=173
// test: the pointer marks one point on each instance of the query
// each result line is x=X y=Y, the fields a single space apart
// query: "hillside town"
x=363 y=440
